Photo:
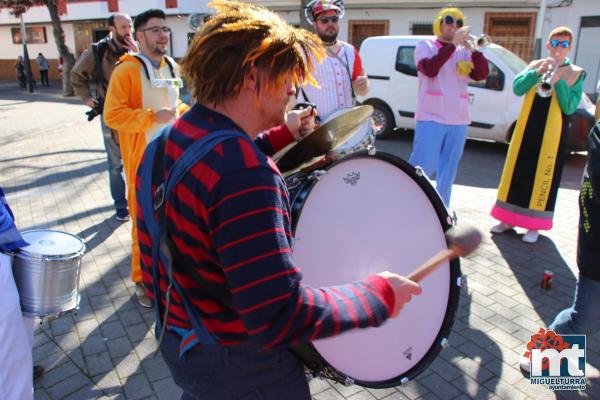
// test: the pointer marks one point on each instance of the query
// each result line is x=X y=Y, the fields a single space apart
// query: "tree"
x=18 y=7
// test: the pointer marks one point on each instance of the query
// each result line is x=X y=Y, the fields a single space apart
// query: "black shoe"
x=122 y=215
x=38 y=371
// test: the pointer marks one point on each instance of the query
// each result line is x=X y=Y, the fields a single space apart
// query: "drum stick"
x=462 y=242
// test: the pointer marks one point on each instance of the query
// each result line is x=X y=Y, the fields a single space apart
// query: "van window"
x=494 y=81
x=513 y=61
x=405 y=60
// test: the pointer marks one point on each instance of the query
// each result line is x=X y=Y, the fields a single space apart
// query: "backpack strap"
x=146 y=64
x=149 y=69
x=153 y=207
x=171 y=63
x=99 y=49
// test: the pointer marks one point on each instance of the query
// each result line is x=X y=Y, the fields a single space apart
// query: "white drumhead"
x=51 y=243
x=365 y=216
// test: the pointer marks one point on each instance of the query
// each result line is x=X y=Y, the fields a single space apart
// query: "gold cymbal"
x=325 y=138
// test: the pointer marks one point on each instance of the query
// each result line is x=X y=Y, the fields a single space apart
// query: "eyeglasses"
x=449 y=20
x=333 y=18
x=562 y=43
x=156 y=29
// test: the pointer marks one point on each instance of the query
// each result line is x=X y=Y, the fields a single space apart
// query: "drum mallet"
x=462 y=242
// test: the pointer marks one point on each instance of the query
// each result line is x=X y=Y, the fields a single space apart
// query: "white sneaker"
x=525 y=363
x=140 y=293
x=501 y=227
x=531 y=236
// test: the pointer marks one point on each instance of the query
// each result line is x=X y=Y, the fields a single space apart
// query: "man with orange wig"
x=445 y=66
x=230 y=302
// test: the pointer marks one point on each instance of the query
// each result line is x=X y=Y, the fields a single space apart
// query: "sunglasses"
x=333 y=18
x=562 y=43
x=449 y=20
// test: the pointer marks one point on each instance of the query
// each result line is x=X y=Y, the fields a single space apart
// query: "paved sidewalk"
x=53 y=166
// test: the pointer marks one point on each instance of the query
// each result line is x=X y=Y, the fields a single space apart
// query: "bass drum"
x=359 y=216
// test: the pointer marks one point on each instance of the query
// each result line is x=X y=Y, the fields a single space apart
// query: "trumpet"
x=544 y=87
x=478 y=43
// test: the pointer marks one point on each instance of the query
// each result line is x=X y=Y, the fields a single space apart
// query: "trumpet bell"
x=478 y=43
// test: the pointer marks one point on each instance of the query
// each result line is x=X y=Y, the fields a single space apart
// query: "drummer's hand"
x=361 y=85
x=301 y=122
x=403 y=289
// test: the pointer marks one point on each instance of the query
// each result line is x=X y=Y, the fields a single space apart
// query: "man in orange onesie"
x=142 y=97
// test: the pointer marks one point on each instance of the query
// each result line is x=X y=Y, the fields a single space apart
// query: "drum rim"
x=48 y=257
x=455 y=271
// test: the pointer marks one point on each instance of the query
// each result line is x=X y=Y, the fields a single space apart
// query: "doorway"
x=515 y=31
x=587 y=54
x=87 y=33
x=359 y=30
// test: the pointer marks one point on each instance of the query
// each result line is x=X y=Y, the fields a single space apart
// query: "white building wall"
x=10 y=50
x=400 y=18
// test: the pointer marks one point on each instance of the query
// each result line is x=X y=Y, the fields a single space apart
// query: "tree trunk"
x=63 y=50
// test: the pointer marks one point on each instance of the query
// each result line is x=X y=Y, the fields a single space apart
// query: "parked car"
x=393 y=86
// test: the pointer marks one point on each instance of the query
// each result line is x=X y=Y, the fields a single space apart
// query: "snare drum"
x=359 y=216
x=47 y=272
x=360 y=140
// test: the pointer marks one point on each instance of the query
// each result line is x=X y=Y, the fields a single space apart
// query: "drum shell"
x=47 y=284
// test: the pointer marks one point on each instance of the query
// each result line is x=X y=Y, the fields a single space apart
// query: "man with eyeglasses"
x=142 y=97
x=444 y=66
x=340 y=77
x=96 y=64
x=534 y=162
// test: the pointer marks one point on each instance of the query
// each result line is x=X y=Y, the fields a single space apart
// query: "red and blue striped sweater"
x=230 y=218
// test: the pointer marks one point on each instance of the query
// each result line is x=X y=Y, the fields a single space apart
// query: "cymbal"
x=325 y=138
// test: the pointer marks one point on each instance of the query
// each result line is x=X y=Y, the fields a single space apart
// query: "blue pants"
x=115 y=168
x=583 y=316
x=242 y=372
x=438 y=148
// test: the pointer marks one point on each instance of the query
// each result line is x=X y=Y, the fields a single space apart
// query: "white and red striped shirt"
x=334 y=76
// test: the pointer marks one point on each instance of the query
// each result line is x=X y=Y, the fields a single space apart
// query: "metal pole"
x=28 y=74
x=537 y=48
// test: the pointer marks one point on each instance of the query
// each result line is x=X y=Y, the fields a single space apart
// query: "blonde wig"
x=452 y=11
x=240 y=36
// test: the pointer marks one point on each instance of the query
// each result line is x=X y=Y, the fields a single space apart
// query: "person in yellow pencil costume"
x=531 y=176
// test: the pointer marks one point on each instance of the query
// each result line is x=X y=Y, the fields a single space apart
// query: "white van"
x=393 y=87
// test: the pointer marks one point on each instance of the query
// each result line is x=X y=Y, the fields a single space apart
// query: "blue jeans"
x=438 y=148
x=241 y=372
x=115 y=168
x=583 y=317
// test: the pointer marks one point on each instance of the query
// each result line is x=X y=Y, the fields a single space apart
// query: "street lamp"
x=539 y=24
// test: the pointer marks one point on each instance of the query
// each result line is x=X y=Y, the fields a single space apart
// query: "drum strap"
x=153 y=205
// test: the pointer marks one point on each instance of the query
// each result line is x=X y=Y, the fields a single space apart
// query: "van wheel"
x=383 y=120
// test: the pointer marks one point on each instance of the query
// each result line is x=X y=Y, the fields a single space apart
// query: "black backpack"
x=99 y=49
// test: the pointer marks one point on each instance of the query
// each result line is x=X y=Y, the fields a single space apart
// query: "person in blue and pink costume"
x=444 y=65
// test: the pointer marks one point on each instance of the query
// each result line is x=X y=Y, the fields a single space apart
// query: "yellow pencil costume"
x=135 y=91
x=534 y=162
